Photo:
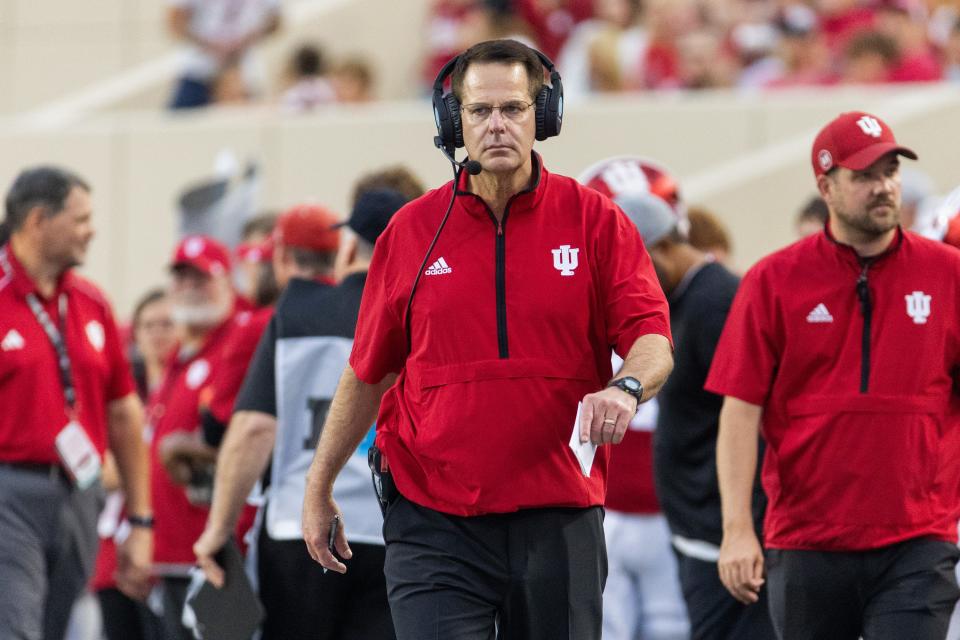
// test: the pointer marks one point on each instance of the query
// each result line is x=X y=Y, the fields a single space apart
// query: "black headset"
x=446 y=108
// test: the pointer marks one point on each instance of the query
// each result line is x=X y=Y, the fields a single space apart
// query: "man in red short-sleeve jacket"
x=844 y=348
x=66 y=395
x=531 y=283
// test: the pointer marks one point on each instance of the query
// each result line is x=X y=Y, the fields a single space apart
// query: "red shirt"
x=630 y=487
x=861 y=443
x=504 y=344
x=175 y=406
x=240 y=345
x=31 y=393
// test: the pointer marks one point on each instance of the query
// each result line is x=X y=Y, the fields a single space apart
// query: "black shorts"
x=537 y=574
x=905 y=590
x=304 y=603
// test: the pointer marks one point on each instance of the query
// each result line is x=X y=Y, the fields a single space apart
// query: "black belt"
x=51 y=469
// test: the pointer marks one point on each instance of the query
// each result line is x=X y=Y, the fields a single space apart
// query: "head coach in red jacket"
x=481 y=341
x=844 y=349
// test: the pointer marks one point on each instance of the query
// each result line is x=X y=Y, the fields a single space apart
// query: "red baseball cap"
x=255 y=252
x=202 y=253
x=854 y=140
x=307 y=226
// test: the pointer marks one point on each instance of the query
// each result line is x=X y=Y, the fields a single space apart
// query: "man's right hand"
x=319 y=509
x=741 y=565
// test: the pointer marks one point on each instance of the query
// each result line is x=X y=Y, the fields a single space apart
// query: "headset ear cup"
x=541 y=113
x=456 y=126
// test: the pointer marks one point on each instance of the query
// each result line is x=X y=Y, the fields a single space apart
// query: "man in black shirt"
x=700 y=292
x=281 y=409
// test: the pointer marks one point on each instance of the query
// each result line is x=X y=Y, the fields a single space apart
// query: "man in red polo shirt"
x=66 y=393
x=498 y=521
x=202 y=301
x=844 y=349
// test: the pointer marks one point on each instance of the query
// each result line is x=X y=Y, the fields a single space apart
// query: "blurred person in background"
x=492 y=20
x=202 y=302
x=442 y=34
x=703 y=62
x=905 y=21
x=154 y=338
x=307 y=82
x=803 y=49
x=700 y=291
x=279 y=411
x=811 y=217
x=665 y=23
x=253 y=271
x=67 y=395
x=642 y=597
x=552 y=21
x=220 y=35
x=352 y=79
x=604 y=52
x=396 y=177
x=916 y=186
x=951 y=54
x=841 y=20
x=709 y=234
x=230 y=88
x=869 y=58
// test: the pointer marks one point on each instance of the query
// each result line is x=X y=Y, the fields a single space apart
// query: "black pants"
x=537 y=574
x=906 y=590
x=303 y=603
x=714 y=613
x=127 y=619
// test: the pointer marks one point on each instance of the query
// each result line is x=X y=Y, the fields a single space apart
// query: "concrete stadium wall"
x=744 y=158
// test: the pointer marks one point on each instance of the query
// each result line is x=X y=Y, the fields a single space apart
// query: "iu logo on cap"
x=825 y=159
x=870 y=126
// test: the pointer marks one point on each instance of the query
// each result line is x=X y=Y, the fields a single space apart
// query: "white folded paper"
x=584 y=451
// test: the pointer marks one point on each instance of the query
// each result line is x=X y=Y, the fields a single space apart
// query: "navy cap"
x=373 y=211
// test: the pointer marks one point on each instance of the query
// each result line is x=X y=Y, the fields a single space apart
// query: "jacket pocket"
x=860 y=460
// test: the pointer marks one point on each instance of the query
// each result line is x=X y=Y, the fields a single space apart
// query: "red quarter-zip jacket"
x=854 y=363
x=512 y=324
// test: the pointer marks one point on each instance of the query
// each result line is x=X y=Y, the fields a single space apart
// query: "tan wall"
x=138 y=163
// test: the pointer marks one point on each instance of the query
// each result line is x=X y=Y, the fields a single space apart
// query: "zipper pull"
x=499 y=228
x=863 y=289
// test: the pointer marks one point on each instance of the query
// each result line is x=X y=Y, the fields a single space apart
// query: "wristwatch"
x=140 y=521
x=629 y=385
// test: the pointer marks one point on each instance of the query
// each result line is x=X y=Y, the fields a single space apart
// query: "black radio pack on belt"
x=383 y=484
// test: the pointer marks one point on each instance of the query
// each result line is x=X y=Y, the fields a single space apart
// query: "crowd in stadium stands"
x=607 y=46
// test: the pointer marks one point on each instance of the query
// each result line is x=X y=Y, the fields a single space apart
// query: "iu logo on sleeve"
x=565 y=259
x=95 y=335
x=918 y=307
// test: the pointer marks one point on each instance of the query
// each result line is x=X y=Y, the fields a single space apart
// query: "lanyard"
x=58 y=339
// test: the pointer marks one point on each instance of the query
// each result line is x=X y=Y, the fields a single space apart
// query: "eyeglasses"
x=478 y=113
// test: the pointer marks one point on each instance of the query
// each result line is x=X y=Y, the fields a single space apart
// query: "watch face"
x=631 y=384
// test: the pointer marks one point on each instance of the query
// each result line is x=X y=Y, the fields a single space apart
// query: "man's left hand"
x=605 y=416
x=134 y=558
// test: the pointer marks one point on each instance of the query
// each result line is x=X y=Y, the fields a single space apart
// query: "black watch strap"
x=629 y=385
x=140 y=521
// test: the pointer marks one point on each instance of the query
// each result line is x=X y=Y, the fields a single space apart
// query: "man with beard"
x=844 y=349
x=203 y=303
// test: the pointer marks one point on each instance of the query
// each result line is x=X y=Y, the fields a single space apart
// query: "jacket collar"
x=524 y=200
x=13 y=273
x=849 y=254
